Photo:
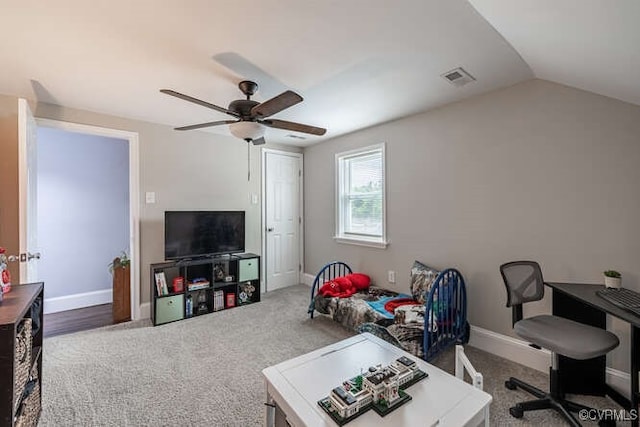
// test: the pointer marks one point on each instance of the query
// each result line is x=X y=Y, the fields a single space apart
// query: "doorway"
x=282 y=213
x=113 y=147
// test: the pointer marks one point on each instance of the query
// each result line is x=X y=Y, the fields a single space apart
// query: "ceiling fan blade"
x=276 y=104
x=259 y=141
x=197 y=101
x=206 y=125
x=298 y=127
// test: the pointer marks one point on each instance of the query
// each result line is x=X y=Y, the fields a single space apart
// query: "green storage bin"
x=248 y=269
x=169 y=309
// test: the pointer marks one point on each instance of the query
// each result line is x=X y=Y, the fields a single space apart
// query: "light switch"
x=254 y=199
x=150 y=197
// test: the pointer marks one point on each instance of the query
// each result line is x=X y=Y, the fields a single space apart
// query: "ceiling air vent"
x=458 y=77
x=295 y=136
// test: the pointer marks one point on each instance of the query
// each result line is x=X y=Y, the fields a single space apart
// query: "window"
x=360 y=192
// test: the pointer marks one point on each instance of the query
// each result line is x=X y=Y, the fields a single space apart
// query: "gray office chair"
x=561 y=336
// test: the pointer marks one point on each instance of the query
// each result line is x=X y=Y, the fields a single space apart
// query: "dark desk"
x=579 y=302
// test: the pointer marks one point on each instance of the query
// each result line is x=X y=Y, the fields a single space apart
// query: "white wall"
x=83 y=210
x=535 y=171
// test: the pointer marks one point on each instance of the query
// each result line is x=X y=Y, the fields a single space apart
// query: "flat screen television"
x=192 y=234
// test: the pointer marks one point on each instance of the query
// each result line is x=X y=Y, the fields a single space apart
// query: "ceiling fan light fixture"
x=246 y=130
x=252 y=117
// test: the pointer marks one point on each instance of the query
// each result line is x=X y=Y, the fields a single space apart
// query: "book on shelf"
x=161 y=284
x=197 y=285
x=231 y=300
x=218 y=300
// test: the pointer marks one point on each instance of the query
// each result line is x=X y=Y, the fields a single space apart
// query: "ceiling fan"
x=251 y=116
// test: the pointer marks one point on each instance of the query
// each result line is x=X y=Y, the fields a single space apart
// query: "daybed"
x=437 y=300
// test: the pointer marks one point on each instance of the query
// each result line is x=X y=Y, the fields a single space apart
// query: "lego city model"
x=381 y=388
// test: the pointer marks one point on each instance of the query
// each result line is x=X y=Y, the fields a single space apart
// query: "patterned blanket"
x=408 y=338
x=406 y=330
x=350 y=312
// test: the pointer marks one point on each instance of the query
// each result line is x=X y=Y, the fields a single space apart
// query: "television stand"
x=192 y=287
x=226 y=256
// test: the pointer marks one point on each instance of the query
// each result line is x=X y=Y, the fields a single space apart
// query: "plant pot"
x=612 y=282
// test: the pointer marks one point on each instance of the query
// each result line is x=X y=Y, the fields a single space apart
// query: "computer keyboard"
x=624 y=298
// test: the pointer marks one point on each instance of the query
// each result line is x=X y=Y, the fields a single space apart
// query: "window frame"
x=353 y=238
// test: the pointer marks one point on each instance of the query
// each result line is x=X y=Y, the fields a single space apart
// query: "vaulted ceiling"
x=589 y=44
x=357 y=63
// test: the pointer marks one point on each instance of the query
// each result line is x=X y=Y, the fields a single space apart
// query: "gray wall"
x=83 y=209
x=535 y=171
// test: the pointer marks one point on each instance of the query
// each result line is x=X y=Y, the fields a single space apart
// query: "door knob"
x=270 y=229
x=31 y=256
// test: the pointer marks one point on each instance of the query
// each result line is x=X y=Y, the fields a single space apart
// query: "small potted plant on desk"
x=612 y=279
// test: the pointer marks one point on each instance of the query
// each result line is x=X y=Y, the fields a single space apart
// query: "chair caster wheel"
x=516 y=411
x=508 y=384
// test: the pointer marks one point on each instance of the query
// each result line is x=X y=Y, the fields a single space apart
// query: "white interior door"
x=28 y=189
x=283 y=220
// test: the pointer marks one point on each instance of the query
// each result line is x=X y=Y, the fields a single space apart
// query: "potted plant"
x=120 y=269
x=122 y=261
x=612 y=279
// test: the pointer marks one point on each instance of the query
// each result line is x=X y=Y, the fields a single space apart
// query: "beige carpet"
x=205 y=371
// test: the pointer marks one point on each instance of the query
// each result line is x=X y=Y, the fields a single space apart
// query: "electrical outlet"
x=392 y=276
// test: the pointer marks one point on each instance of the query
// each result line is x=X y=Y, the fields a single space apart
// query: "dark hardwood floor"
x=81 y=319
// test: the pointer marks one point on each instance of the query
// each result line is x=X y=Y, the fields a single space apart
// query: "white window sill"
x=380 y=244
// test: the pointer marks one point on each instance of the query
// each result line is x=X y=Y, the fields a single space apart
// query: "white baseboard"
x=145 y=310
x=308 y=279
x=71 y=302
x=510 y=348
x=619 y=381
x=520 y=352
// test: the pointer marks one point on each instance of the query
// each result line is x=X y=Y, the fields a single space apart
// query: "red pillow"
x=359 y=280
x=340 y=287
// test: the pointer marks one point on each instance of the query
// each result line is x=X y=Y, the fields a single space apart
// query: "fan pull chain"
x=248 y=160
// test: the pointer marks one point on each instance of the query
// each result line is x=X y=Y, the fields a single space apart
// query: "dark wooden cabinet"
x=21 y=325
x=208 y=285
